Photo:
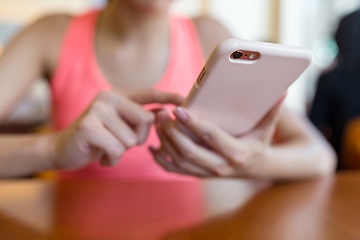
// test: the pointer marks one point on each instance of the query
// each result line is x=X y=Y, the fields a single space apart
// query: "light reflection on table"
x=212 y=209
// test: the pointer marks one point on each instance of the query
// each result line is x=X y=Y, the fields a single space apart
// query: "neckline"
x=101 y=79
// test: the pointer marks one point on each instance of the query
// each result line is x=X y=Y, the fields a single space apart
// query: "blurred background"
x=306 y=23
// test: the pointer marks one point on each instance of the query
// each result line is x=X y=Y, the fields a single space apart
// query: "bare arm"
x=302 y=152
x=21 y=63
x=24 y=155
x=25 y=59
x=113 y=123
x=31 y=54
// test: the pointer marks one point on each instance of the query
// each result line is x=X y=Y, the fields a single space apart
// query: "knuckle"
x=110 y=97
x=104 y=95
x=131 y=141
x=260 y=149
x=220 y=171
x=170 y=132
x=99 y=107
x=153 y=94
x=149 y=118
x=209 y=134
x=87 y=124
x=237 y=158
x=189 y=153
x=117 y=152
x=182 y=165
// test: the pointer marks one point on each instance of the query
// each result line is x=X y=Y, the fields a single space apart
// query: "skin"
x=302 y=152
x=116 y=121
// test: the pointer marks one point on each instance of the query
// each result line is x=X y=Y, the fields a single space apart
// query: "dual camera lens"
x=245 y=55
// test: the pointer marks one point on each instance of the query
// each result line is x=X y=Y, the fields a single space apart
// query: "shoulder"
x=50 y=31
x=38 y=40
x=43 y=30
x=49 y=26
x=211 y=32
x=53 y=20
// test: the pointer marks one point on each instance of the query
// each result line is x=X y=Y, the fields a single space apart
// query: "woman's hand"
x=113 y=123
x=220 y=154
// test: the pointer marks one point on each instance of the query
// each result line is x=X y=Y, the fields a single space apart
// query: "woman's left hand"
x=221 y=154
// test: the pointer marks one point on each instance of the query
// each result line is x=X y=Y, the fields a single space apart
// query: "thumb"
x=266 y=127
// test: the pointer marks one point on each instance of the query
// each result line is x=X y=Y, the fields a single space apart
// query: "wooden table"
x=112 y=209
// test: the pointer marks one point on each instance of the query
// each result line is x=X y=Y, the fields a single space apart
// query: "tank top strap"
x=78 y=79
x=77 y=41
x=187 y=37
x=186 y=54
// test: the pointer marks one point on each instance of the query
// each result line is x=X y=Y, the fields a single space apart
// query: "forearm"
x=301 y=151
x=22 y=155
x=298 y=160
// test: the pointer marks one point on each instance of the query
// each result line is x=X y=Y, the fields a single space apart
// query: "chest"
x=80 y=80
x=133 y=67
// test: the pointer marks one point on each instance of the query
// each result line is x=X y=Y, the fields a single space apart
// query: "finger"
x=154 y=96
x=140 y=119
x=119 y=129
x=105 y=161
x=177 y=158
x=134 y=115
x=219 y=140
x=156 y=110
x=100 y=138
x=161 y=158
x=266 y=127
x=197 y=155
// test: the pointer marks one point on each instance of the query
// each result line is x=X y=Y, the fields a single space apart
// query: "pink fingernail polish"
x=180 y=114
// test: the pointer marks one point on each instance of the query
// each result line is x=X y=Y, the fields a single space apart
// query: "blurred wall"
x=25 y=11
x=311 y=23
x=307 y=23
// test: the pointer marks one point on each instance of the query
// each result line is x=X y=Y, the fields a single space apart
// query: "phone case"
x=237 y=94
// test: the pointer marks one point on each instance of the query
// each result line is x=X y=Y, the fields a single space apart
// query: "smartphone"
x=242 y=80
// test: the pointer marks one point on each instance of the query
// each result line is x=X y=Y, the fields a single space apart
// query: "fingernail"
x=181 y=114
x=163 y=117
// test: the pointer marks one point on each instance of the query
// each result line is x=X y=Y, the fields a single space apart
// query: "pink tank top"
x=78 y=79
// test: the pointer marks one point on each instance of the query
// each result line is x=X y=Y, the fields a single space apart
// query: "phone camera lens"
x=237 y=55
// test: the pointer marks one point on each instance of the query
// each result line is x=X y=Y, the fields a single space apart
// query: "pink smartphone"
x=243 y=80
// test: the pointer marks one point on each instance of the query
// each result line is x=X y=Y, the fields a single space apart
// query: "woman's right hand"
x=113 y=123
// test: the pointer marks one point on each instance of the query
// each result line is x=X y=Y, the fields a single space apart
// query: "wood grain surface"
x=212 y=209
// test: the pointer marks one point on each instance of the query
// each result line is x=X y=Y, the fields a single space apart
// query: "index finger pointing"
x=154 y=96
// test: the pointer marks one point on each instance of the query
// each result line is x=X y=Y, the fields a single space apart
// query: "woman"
x=134 y=46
